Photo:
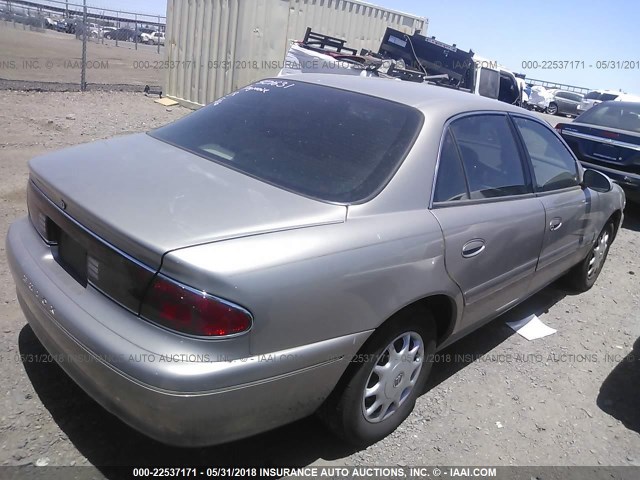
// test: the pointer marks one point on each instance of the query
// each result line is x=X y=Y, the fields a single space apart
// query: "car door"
x=492 y=223
x=561 y=101
x=573 y=100
x=569 y=209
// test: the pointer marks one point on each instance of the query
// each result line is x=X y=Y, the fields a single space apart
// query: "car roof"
x=424 y=97
x=623 y=104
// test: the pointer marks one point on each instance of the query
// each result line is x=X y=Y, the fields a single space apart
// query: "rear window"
x=317 y=141
x=614 y=115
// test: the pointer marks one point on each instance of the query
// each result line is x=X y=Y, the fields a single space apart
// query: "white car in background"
x=156 y=38
x=597 y=96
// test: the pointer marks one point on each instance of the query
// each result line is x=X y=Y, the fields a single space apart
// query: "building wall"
x=216 y=46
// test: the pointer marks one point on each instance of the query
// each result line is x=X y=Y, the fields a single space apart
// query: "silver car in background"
x=564 y=103
x=298 y=246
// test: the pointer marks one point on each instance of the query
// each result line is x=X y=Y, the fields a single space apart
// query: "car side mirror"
x=596 y=181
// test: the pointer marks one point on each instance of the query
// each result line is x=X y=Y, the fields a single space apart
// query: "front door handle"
x=555 y=224
x=473 y=247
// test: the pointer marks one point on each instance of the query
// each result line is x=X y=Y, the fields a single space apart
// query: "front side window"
x=553 y=166
x=321 y=142
x=490 y=156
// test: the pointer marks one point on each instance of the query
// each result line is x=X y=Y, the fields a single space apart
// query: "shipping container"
x=214 y=47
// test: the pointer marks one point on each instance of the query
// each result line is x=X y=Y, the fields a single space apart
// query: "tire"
x=552 y=109
x=344 y=412
x=582 y=277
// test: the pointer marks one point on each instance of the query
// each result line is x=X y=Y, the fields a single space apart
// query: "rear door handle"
x=473 y=247
x=555 y=224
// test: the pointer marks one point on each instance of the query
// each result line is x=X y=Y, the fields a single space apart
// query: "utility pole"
x=83 y=71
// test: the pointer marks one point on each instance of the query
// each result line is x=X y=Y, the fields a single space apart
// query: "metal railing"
x=560 y=86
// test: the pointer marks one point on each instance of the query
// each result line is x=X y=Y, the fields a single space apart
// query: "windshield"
x=619 y=115
x=321 y=142
x=592 y=96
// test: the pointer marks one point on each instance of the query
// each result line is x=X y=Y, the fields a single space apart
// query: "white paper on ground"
x=531 y=327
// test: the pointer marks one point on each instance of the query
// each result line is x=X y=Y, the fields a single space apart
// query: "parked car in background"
x=62 y=26
x=125 y=34
x=597 y=96
x=50 y=23
x=145 y=34
x=340 y=247
x=607 y=138
x=564 y=103
x=157 y=38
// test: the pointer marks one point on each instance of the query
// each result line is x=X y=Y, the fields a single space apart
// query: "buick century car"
x=298 y=246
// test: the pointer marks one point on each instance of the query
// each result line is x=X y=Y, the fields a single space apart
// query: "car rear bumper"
x=166 y=401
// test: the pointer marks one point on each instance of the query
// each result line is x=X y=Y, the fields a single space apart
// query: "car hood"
x=147 y=197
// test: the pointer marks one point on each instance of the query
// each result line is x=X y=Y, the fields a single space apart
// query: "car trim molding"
x=608 y=141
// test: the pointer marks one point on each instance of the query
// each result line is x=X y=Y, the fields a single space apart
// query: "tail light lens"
x=608 y=134
x=559 y=127
x=193 y=312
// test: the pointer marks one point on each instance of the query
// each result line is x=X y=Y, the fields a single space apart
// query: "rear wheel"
x=552 y=109
x=584 y=275
x=384 y=380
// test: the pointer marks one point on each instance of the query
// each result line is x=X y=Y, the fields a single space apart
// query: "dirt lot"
x=567 y=399
x=49 y=56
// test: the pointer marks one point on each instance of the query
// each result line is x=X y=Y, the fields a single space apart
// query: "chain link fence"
x=72 y=45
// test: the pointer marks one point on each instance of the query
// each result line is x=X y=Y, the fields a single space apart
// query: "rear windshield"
x=317 y=141
x=614 y=115
x=605 y=97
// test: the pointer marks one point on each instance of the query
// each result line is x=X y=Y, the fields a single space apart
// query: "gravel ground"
x=494 y=397
x=49 y=56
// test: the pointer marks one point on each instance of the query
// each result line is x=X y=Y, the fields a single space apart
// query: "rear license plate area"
x=71 y=256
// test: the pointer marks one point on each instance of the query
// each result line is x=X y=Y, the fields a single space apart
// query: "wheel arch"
x=615 y=217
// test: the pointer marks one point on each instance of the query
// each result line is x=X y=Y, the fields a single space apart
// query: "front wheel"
x=381 y=385
x=584 y=275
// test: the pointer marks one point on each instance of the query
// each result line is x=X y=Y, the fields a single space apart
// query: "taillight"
x=559 y=127
x=193 y=312
x=38 y=219
x=610 y=134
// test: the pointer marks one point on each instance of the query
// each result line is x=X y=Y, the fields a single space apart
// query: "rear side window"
x=320 y=142
x=490 y=156
x=553 y=166
x=450 y=184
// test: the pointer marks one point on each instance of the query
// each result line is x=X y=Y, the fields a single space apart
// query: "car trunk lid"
x=147 y=197
x=607 y=146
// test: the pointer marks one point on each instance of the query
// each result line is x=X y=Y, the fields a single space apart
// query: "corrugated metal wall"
x=216 y=46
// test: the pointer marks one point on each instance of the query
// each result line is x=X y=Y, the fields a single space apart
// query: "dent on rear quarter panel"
x=312 y=284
